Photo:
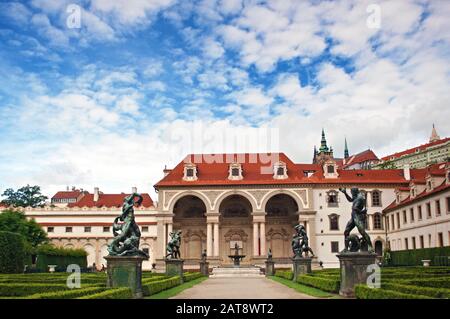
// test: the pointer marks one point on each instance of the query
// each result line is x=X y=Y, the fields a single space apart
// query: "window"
x=405 y=219
x=146 y=250
x=429 y=210
x=448 y=205
x=334 y=221
x=332 y=198
x=376 y=198
x=398 y=220
x=406 y=243
x=393 y=223
x=411 y=214
x=235 y=171
x=190 y=172
x=68 y=229
x=366 y=222
x=106 y=229
x=330 y=169
x=388 y=226
x=440 y=240
x=429 y=240
x=438 y=207
x=280 y=171
x=377 y=221
x=334 y=246
x=50 y=229
x=145 y=229
x=413 y=239
x=87 y=229
x=422 y=244
x=419 y=211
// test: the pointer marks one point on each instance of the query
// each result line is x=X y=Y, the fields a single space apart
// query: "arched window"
x=334 y=221
x=377 y=221
x=376 y=198
x=332 y=198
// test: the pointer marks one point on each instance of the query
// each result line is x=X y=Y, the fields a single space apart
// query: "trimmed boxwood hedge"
x=67 y=294
x=417 y=290
x=153 y=287
x=286 y=274
x=331 y=285
x=364 y=292
x=26 y=289
x=191 y=276
x=62 y=257
x=12 y=252
x=431 y=282
x=114 y=293
x=414 y=257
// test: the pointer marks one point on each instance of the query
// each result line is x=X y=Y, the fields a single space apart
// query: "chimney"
x=166 y=170
x=96 y=194
x=133 y=190
x=406 y=172
x=67 y=188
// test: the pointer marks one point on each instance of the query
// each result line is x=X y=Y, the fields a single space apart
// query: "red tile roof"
x=67 y=194
x=367 y=155
x=422 y=195
x=413 y=149
x=108 y=200
x=216 y=173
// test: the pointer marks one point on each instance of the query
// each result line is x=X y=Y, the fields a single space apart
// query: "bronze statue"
x=173 y=246
x=358 y=220
x=204 y=255
x=300 y=242
x=126 y=232
x=269 y=254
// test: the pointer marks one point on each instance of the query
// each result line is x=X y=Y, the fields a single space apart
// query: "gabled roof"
x=367 y=155
x=414 y=149
x=108 y=200
x=67 y=194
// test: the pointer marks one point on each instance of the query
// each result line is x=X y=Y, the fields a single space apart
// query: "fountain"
x=236 y=257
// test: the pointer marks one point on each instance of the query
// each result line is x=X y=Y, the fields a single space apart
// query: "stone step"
x=236 y=272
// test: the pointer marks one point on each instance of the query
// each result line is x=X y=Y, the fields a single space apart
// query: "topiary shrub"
x=12 y=252
x=25 y=289
x=286 y=274
x=331 y=285
x=62 y=257
x=153 y=287
x=115 y=293
x=364 y=292
x=191 y=276
x=67 y=294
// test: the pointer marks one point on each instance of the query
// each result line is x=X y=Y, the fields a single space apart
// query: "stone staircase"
x=236 y=272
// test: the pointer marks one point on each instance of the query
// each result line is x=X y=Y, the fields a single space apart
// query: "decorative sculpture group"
x=300 y=242
x=173 y=246
x=358 y=219
x=125 y=230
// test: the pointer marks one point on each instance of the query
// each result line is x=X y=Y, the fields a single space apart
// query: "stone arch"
x=103 y=254
x=244 y=194
x=291 y=206
x=90 y=250
x=180 y=195
x=235 y=205
x=300 y=204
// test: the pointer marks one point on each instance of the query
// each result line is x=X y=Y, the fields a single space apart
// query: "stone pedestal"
x=174 y=267
x=300 y=266
x=125 y=271
x=270 y=268
x=204 y=268
x=354 y=270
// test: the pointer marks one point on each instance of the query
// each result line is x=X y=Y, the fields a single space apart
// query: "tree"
x=24 y=197
x=16 y=222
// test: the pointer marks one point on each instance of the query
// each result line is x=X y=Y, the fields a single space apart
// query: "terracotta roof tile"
x=367 y=155
x=413 y=149
x=108 y=200
x=67 y=194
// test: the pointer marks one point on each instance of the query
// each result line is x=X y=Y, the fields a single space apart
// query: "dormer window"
x=330 y=169
x=190 y=172
x=279 y=170
x=235 y=171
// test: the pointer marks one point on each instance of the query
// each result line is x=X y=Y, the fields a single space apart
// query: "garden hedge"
x=331 y=285
x=62 y=257
x=115 y=293
x=191 y=276
x=12 y=252
x=67 y=294
x=153 y=287
x=286 y=274
x=364 y=292
x=417 y=290
x=26 y=289
x=414 y=257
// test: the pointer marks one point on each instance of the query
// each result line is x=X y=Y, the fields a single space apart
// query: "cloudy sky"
x=106 y=93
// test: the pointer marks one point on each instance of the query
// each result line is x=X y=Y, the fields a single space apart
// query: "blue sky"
x=141 y=83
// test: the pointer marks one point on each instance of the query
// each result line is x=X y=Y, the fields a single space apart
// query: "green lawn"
x=311 y=291
x=166 y=294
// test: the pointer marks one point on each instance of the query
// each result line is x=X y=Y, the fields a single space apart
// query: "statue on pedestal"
x=126 y=232
x=300 y=242
x=173 y=246
x=359 y=214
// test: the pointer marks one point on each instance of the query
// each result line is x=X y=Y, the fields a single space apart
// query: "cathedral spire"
x=434 y=136
x=323 y=143
x=346 y=154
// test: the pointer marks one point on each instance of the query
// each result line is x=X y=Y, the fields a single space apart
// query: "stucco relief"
x=235 y=233
x=279 y=231
x=168 y=195
x=258 y=195
x=212 y=196
x=303 y=196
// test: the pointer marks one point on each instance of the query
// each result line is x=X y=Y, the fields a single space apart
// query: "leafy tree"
x=387 y=165
x=24 y=197
x=16 y=222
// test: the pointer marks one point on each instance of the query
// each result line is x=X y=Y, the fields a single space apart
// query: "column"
x=169 y=230
x=216 y=239
x=255 y=239
x=262 y=236
x=161 y=240
x=209 y=241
